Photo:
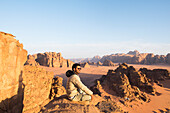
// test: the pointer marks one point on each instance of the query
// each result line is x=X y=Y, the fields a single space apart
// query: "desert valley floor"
x=156 y=105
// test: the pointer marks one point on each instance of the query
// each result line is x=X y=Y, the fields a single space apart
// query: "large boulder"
x=12 y=59
x=57 y=88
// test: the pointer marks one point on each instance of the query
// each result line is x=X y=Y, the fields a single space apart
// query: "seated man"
x=76 y=90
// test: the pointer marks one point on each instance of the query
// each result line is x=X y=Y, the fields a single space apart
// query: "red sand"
x=157 y=104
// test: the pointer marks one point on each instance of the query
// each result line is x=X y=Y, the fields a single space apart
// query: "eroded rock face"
x=108 y=63
x=134 y=57
x=136 y=78
x=168 y=58
x=135 y=52
x=50 y=59
x=57 y=88
x=95 y=59
x=37 y=82
x=156 y=74
x=119 y=82
x=31 y=61
x=85 y=65
x=12 y=59
x=99 y=63
x=126 y=82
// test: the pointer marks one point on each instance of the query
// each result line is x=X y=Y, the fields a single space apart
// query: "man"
x=76 y=90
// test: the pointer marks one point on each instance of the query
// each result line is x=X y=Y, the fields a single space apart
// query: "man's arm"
x=80 y=85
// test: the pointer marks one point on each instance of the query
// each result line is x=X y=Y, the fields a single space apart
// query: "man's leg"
x=82 y=97
x=86 y=97
x=77 y=97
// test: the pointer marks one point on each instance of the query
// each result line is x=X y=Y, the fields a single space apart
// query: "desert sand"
x=158 y=103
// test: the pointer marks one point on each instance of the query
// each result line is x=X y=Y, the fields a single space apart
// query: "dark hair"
x=69 y=73
x=75 y=65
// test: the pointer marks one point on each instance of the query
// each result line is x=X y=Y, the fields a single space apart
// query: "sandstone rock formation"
x=50 y=59
x=127 y=83
x=99 y=63
x=156 y=74
x=37 y=82
x=135 y=52
x=12 y=59
x=168 y=58
x=31 y=61
x=95 y=59
x=85 y=65
x=108 y=63
x=136 y=78
x=81 y=60
x=134 y=57
x=57 y=88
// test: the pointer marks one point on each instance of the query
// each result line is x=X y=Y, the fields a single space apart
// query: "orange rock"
x=57 y=88
x=12 y=59
x=37 y=83
x=134 y=57
x=85 y=65
x=50 y=59
x=108 y=63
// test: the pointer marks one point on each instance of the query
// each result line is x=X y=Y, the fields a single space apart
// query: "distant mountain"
x=95 y=59
x=134 y=57
x=135 y=52
x=80 y=60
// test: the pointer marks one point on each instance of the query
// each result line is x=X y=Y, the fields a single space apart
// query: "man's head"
x=76 y=68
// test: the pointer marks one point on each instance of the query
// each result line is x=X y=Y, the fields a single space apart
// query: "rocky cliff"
x=134 y=57
x=37 y=82
x=12 y=59
x=50 y=59
x=22 y=88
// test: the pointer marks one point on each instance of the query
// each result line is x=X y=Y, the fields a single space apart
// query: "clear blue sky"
x=85 y=28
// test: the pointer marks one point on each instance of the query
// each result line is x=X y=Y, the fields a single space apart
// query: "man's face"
x=77 y=69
